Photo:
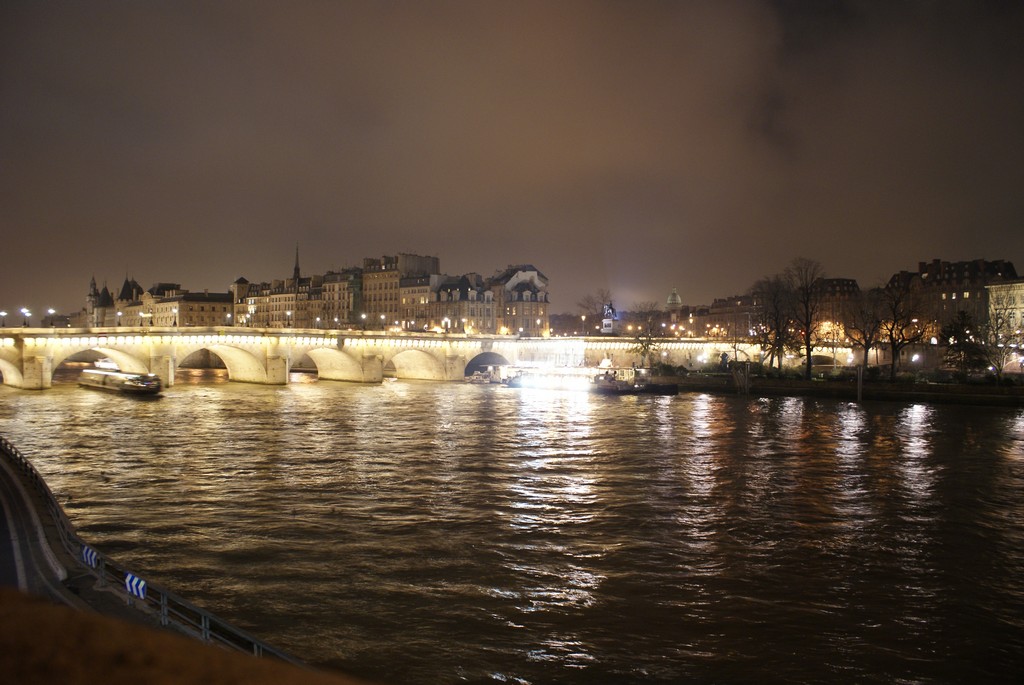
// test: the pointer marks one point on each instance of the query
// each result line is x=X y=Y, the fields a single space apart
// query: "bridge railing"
x=171 y=609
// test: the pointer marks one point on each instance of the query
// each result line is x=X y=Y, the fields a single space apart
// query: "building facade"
x=521 y=301
x=163 y=304
x=947 y=288
x=382 y=287
x=728 y=318
x=1006 y=323
x=463 y=304
x=403 y=292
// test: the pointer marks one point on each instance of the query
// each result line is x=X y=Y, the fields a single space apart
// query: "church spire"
x=296 y=274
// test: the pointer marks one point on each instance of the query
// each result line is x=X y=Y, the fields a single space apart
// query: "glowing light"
x=555 y=382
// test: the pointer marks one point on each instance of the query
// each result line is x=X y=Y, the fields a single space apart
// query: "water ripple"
x=421 y=532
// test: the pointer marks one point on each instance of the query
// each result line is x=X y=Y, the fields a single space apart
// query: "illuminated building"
x=404 y=291
x=674 y=307
x=462 y=304
x=521 y=301
x=382 y=285
x=947 y=288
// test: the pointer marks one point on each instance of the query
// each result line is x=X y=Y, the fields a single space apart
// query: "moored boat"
x=605 y=380
x=630 y=381
x=484 y=377
x=117 y=381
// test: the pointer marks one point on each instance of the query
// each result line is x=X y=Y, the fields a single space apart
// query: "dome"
x=674 y=300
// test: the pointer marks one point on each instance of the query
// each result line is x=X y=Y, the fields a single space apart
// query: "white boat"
x=550 y=378
x=117 y=381
x=604 y=380
x=630 y=381
x=484 y=376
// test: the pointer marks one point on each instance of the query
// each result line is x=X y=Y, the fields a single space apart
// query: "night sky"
x=632 y=146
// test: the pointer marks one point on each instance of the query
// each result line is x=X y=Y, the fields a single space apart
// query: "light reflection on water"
x=423 y=532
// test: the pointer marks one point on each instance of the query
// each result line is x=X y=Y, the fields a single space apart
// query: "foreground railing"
x=171 y=609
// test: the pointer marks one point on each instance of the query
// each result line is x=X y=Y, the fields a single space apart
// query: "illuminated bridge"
x=28 y=356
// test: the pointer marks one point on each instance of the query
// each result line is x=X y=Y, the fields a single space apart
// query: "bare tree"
x=646 y=317
x=961 y=340
x=591 y=307
x=645 y=346
x=901 y=327
x=999 y=336
x=773 y=304
x=803 y=276
x=647 y=314
x=862 y=319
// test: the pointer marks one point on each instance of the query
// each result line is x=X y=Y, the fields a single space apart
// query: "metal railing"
x=169 y=608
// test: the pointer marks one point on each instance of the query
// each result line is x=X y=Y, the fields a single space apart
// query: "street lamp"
x=363 y=317
x=119 y=318
x=26 y=314
x=288 y=314
x=229 y=318
x=383 y=325
x=51 y=311
x=318 y=322
x=3 y=319
x=335 y=322
x=175 y=311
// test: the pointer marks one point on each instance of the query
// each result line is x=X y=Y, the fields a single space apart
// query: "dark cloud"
x=635 y=146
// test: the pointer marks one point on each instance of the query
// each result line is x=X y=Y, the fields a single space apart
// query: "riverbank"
x=61 y=621
x=946 y=393
x=42 y=642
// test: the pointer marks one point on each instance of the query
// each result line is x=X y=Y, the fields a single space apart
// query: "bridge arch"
x=241 y=364
x=415 y=365
x=11 y=374
x=822 y=359
x=336 y=365
x=126 y=361
x=481 y=361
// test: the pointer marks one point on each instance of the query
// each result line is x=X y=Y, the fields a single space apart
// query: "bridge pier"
x=372 y=367
x=454 y=367
x=164 y=366
x=278 y=367
x=37 y=372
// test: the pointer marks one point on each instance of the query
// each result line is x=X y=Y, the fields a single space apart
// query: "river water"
x=416 y=532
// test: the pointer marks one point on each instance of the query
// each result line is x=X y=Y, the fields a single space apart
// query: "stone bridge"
x=28 y=356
